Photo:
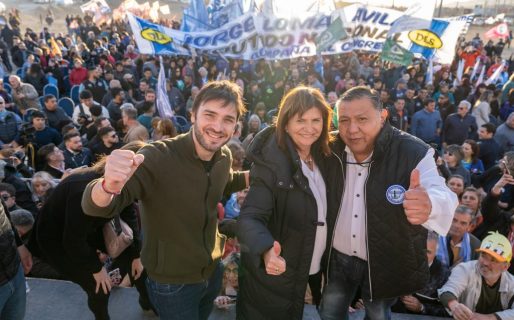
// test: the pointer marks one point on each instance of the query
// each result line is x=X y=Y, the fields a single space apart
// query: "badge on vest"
x=395 y=194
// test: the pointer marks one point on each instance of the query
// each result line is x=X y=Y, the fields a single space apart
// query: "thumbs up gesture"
x=274 y=263
x=119 y=167
x=417 y=204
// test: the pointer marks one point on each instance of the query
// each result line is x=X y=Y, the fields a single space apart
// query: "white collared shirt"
x=317 y=186
x=350 y=230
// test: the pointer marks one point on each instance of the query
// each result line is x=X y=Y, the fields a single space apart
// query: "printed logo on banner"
x=395 y=194
x=426 y=38
x=428 y=41
x=155 y=36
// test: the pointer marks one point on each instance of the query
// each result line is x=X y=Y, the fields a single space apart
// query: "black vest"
x=97 y=88
x=397 y=250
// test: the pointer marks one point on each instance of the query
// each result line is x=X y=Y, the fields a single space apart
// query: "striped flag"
x=475 y=69
x=496 y=74
x=430 y=73
x=163 y=102
x=480 y=77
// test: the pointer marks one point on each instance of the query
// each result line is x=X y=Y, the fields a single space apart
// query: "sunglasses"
x=448 y=153
x=114 y=135
x=5 y=197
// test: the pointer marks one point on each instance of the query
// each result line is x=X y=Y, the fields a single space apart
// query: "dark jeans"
x=13 y=297
x=346 y=275
x=192 y=301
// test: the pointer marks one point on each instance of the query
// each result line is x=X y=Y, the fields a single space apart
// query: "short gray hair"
x=360 y=92
x=465 y=103
x=432 y=236
x=462 y=209
x=22 y=217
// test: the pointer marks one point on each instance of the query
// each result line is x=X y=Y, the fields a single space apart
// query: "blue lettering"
x=236 y=31
x=249 y=25
x=201 y=41
x=286 y=40
x=222 y=36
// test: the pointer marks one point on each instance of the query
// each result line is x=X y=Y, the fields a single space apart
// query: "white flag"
x=163 y=102
x=417 y=16
x=480 y=77
x=496 y=74
x=475 y=68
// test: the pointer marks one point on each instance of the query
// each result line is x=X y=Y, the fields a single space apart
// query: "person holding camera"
x=82 y=114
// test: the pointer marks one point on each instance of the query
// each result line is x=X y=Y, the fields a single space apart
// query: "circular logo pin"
x=395 y=194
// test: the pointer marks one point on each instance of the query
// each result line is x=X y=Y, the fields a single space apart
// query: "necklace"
x=308 y=159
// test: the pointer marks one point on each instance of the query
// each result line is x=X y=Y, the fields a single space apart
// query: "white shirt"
x=317 y=186
x=350 y=230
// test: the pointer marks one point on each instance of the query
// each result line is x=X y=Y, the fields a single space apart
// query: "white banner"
x=259 y=36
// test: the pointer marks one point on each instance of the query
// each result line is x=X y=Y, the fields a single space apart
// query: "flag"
x=417 y=16
x=54 y=48
x=331 y=35
x=496 y=74
x=395 y=53
x=475 y=68
x=195 y=17
x=480 y=77
x=163 y=102
x=228 y=12
x=460 y=72
x=430 y=72
x=500 y=31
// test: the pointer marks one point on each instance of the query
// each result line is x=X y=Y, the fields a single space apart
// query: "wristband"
x=107 y=191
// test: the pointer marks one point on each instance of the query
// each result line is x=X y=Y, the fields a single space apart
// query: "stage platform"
x=63 y=300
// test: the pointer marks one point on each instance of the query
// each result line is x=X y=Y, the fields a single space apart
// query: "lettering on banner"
x=155 y=36
x=425 y=38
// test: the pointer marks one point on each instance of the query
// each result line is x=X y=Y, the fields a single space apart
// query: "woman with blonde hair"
x=282 y=224
x=42 y=186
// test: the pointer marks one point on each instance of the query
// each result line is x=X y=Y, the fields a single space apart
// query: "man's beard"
x=203 y=142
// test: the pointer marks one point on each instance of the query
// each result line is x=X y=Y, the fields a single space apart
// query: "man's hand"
x=119 y=167
x=26 y=258
x=504 y=180
x=102 y=280
x=137 y=268
x=460 y=311
x=412 y=304
x=274 y=263
x=417 y=204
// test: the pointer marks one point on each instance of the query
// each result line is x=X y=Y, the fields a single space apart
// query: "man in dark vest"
x=384 y=192
x=95 y=84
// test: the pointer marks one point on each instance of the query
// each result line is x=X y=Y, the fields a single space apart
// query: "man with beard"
x=75 y=155
x=181 y=251
x=482 y=289
x=109 y=141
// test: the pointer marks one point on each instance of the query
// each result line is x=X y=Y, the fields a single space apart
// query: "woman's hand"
x=274 y=263
x=137 y=268
x=102 y=280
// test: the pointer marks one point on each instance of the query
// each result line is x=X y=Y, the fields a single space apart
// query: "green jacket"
x=178 y=199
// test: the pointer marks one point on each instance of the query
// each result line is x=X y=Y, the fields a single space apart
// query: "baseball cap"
x=497 y=246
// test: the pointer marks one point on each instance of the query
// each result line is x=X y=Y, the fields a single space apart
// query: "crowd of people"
x=341 y=181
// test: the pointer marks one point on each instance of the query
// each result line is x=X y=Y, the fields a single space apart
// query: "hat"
x=127 y=76
x=497 y=246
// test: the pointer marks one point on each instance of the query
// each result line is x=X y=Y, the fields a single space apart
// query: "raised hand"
x=119 y=167
x=274 y=263
x=417 y=204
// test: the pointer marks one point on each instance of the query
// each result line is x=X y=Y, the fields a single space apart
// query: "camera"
x=27 y=133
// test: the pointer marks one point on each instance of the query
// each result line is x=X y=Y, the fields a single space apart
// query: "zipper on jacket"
x=337 y=217
x=366 y=222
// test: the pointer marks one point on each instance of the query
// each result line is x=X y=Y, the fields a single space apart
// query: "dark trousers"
x=98 y=302
x=346 y=275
